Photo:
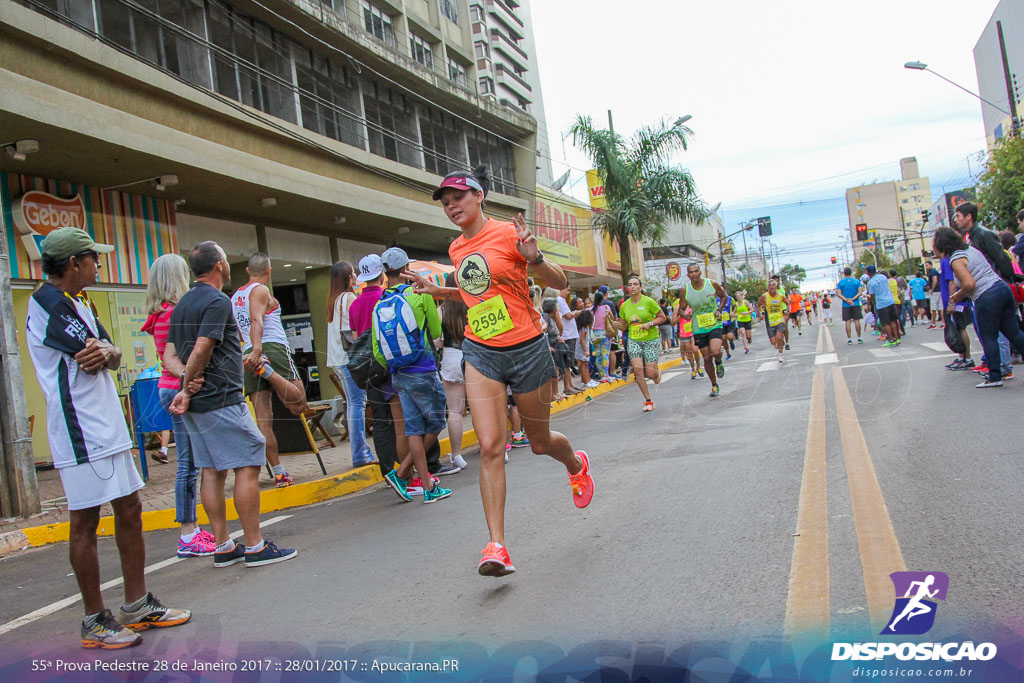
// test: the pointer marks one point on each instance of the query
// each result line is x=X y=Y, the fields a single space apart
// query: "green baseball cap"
x=65 y=242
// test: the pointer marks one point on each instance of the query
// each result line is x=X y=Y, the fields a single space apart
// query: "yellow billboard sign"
x=564 y=233
x=595 y=190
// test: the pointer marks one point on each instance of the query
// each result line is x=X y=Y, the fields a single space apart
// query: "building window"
x=450 y=9
x=390 y=124
x=486 y=85
x=457 y=72
x=421 y=51
x=482 y=50
x=378 y=24
x=476 y=12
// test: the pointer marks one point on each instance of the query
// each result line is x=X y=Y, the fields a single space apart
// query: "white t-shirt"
x=336 y=355
x=569 y=329
x=84 y=420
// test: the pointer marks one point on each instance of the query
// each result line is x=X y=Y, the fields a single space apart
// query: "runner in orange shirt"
x=504 y=348
x=796 y=309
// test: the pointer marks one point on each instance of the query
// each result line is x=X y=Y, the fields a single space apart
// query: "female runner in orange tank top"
x=504 y=348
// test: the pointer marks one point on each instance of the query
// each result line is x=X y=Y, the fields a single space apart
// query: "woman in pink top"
x=684 y=319
x=602 y=344
x=168 y=281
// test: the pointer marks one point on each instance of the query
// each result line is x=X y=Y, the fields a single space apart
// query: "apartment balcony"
x=513 y=82
x=515 y=54
x=503 y=13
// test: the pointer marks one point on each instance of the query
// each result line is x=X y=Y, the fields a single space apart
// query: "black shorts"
x=795 y=315
x=703 y=341
x=852 y=313
x=744 y=324
x=888 y=315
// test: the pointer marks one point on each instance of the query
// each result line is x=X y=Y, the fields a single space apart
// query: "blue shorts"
x=423 y=403
x=522 y=368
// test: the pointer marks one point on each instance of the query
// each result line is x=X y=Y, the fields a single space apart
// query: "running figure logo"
x=914 y=612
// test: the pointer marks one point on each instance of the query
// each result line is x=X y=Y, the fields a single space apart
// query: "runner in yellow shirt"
x=772 y=306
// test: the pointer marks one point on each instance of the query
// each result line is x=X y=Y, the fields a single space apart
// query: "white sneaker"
x=458 y=461
x=591 y=384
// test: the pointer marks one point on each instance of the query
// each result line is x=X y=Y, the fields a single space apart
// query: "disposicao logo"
x=914 y=613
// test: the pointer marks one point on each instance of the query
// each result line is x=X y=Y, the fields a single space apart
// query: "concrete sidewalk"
x=311 y=486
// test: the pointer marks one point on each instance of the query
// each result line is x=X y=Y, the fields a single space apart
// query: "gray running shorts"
x=522 y=368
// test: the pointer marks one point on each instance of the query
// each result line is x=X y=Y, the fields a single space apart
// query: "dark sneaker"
x=108 y=634
x=226 y=559
x=715 y=390
x=269 y=555
x=720 y=370
x=956 y=362
x=787 y=347
x=446 y=470
x=152 y=614
x=435 y=494
x=986 y=384
x=398 y=484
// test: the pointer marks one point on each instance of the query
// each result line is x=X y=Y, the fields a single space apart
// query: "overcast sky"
x=794 y=100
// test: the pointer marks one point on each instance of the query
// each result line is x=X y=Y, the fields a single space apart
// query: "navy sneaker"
x=269 y=555
x=226 y=559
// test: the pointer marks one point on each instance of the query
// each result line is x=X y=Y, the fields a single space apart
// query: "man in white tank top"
x=258 y=315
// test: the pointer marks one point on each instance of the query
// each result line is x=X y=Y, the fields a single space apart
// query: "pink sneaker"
x=197 y=547
x=207 y=536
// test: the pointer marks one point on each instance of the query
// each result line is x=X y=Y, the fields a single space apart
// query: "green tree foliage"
x=642 y=190
x=754 y=287
x=1001 y=187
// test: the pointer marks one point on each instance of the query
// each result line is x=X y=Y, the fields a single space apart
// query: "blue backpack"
x=399 y=337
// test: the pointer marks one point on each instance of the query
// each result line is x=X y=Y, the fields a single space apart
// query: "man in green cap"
x=89 y=441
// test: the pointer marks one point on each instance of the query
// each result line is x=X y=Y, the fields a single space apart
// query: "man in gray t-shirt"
x=221 y=430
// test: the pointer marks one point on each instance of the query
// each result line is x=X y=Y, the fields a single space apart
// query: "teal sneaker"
x=398 y=484
x=435 y=494
x=720 y=370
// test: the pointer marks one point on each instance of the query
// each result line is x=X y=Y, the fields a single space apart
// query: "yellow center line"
x=880 y=553
x=807 y=605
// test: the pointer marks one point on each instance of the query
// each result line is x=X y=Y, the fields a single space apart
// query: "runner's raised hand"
x=527 y=243
x=422 y=285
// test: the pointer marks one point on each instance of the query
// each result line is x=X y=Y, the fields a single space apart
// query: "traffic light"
x=833 y=260
x=862 y=232
x=924 y=216
x=764 y=226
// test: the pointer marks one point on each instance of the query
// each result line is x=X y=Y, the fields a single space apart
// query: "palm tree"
x=794 y=274
x=643 y=192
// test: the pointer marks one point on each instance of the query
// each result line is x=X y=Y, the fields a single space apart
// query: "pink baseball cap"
x=457 y=182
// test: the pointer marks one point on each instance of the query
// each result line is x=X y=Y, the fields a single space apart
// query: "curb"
x=271 y=500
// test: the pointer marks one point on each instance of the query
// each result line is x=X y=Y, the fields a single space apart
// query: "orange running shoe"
x=582 y=483
x=495 y=561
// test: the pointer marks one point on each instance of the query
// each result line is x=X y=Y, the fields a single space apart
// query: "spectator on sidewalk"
x=168 y=282
x=570 y=336
x=404 y=327
x=88 y=438
x=258 y=316
x=339 y=338
x=388 y=425
x=453 y=333
x=204 y=336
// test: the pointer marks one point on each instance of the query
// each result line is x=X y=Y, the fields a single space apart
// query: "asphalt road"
x=690 y=537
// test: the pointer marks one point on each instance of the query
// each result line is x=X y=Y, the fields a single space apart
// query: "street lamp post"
x=721 y=242
x=921 y=66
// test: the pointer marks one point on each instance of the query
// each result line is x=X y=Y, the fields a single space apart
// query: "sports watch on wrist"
x=537 y=261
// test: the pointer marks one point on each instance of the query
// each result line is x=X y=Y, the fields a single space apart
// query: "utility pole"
x=19 y=491
x=746 y=257
x=903 y=226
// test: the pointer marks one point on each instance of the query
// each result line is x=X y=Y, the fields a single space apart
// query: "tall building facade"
x=313 y=131
x=506 y=64
x=892 y=213
x=999 y=82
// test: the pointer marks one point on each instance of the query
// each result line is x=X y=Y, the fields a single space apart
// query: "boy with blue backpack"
x=403 y=327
